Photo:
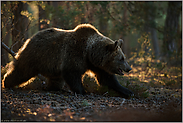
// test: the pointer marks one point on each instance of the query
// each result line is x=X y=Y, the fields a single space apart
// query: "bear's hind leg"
x=73 y=79
x=16 y=77
x=55 y=84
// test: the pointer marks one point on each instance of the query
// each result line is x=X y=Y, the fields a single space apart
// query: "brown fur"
x=65 y=55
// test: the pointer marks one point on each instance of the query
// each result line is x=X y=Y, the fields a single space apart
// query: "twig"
x=162 y=68
x=76 y=95
x=105 y=93
x=8 y=49
x=108 y=12
x=122 y=102
x=23 y=34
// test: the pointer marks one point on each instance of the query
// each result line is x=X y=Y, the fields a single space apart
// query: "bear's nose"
x=129 y=69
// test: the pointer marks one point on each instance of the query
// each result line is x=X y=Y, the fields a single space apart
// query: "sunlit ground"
x=153 y=75
x=156 y=72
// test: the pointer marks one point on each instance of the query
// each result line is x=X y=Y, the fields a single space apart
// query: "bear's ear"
x=112 y=47
x=120 y=42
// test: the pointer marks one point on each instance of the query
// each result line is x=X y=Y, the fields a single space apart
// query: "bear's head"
x=116 y=61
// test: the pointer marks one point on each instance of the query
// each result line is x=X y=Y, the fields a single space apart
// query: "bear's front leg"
x=111 y=81
x=73 y=79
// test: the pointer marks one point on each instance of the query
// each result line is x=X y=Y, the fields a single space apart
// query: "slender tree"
x=42 y=18
x=55 y=20
x=20 y=25
x=171 y=27
x=150 y=26
x=126 y=41
x=5 y=30
x=103 y=18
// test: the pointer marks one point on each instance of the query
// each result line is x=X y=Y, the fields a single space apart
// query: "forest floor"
x=32 y=105
x=158 y=98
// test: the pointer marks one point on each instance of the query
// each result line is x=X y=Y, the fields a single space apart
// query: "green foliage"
x=145 y=47
x=42 y=4
x=135 y=85
x=140 y=12
x=154 y=73
x=104 y=90
x=170 y=82
x=143 y=54
x=85 y=103
x=66 y=16
x=145 y=94
x=28 y=15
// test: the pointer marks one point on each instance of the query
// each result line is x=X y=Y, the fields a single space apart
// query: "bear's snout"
x=128 y=69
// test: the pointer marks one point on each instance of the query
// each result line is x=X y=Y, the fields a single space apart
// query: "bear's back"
x=49 y=34
x=60 y=36
x=85 y=30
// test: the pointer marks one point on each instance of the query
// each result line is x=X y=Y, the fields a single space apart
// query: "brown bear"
x=65 y=55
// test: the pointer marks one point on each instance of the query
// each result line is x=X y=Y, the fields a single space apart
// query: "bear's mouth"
x=120 y=71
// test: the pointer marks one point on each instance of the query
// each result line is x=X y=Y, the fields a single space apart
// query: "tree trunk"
x=103 y=19
x=126 y=39
x=154 y=39
x=42 y=19
x=5 y=32
x=149 y=24
x=89 y=12
x=171 y=27
x=55 y=20
x=20 y=23
x=4 y=53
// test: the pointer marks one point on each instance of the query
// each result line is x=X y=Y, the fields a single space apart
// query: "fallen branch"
x=8 y=49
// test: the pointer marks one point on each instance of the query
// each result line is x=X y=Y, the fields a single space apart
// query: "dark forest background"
x=152 y=33
x=147 y=28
